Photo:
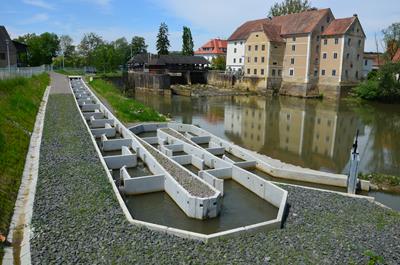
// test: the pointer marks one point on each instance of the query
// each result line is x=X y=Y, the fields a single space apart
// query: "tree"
x=66 y=47
x=289 y=7
x=218 y=63
x=138 y=45
x=42 y=48
x=162 y=40
x=187 y=42
x=89 y=43
x=391 y=37
x=104 y=58
x=122 y=51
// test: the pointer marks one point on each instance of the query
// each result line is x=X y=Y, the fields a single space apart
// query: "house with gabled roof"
x=212 y=49
x=299 y=53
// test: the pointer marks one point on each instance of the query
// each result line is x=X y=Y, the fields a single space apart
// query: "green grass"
x=70 y=72
x=126 y=109
x=384 y=182
x=20 y=99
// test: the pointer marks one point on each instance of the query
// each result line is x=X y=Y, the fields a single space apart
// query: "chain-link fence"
x=6 y=73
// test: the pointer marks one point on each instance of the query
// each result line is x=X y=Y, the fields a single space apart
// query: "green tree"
x=289 y=7
x=218 y=63
x=122 y=51
x=162 y=40
x=42 y=48
x=391 y=37
x=187 y=42
x=88 y=44
x=66 y=47
x=104 y=57
x=138 y=45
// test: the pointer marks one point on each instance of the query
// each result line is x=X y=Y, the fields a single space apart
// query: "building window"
x=241 y=43
x=358 y=57
x=249 y=48
x=315 y=72
x=274 y=63
x=234 y=60
x=255 y=71
x=294 y=39
x=324 y=55
x=293 y=47
x=262 y=59
x=357 y=74
x=325 y=41
x=256 y=47
x=346 y=73
x=255 y=59
x=349 y=42
x=318 y=38
x=257 y=36
x=291 y=72
x=351 y=65
x=359 y=43
x=2 y=55
x=323 y=72
x=317 y=48
x=248 y=59
x=328 y=18
x=333 y=72
x=273 y=72
x=336 y=41
x=235 y=43
x=335 y=55
x=262 y=71
x=248 y=71
x=322 y=29
x=279 y=72
x=291 y=60
x=365 y=62
x=347 y=55
x=263 y=47
x=234 y=50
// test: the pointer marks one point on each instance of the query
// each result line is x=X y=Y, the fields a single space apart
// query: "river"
x=311 y=133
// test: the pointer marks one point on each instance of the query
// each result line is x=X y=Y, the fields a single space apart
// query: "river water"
x=311 y=133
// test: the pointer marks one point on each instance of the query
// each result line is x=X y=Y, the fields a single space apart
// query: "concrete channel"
x=192 y=177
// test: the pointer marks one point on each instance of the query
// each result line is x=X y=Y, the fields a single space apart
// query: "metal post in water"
x=353 y=173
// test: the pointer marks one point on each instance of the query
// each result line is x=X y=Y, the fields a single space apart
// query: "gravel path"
x=194 y=186
x=77 y=219
x=59 y=84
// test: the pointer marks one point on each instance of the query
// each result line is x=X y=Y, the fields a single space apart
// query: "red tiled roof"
x=216 y=46
x=303 y=22
x=339 y=26
x=396 y=57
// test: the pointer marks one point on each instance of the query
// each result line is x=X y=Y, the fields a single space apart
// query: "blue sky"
x=206 y=18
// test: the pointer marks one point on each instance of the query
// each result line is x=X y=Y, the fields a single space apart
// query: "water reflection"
x=311 y=133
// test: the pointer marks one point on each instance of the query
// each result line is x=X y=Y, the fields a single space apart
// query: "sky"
x=207 y=19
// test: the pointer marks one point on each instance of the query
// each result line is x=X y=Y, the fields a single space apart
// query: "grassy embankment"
x=384 y=182
x=126 y=109
x=69 y=72
x=20 y=99
x=81 y=72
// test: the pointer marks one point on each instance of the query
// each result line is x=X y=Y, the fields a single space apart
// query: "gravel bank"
x=194 y=186
x=77 y=219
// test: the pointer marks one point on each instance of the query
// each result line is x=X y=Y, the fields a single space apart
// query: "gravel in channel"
x=190 y=183
x=178 y=136
x=77 y=219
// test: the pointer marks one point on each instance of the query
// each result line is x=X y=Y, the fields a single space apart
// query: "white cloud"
x=39 y=3
x=37 y=18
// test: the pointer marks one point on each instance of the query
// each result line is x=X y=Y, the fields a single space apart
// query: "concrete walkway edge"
x=20 y=230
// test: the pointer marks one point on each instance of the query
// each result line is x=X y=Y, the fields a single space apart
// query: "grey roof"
x=167 y=59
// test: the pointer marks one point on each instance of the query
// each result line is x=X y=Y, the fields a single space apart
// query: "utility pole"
x=8 y=56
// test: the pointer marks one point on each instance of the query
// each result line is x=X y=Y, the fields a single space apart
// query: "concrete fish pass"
x=193 y=177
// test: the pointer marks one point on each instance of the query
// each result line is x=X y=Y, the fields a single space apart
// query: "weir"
x=145 y=160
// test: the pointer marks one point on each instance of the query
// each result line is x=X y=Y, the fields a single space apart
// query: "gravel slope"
x=77 y=219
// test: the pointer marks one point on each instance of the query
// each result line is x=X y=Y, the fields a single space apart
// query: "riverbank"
x=383 y=182
x=200 y=90
x=126 y=109
x=19 y=102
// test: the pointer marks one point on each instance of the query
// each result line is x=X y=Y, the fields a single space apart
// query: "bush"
x=382 y=85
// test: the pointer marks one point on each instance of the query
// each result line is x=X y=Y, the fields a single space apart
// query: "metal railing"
x=7 y=73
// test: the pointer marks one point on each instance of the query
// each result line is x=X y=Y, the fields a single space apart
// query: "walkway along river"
x=310 y=133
